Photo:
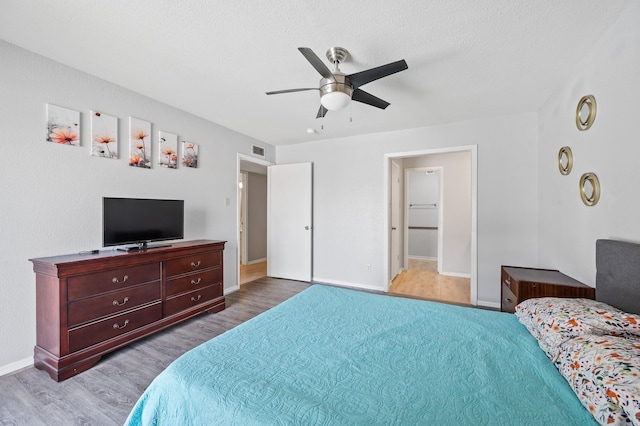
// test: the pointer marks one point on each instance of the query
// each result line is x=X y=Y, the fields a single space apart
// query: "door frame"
x=473 y=149
x=439 y=170
x=396 y=210
x=248 y=158
x=242 y=199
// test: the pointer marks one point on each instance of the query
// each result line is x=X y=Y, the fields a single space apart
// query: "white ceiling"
x=467 y=58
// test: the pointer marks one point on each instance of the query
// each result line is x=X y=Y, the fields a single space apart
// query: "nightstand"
x=520 y=284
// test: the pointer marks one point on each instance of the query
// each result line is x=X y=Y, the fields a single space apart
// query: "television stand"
x=141 y=247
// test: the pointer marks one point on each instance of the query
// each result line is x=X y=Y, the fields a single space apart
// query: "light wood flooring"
x=252 y=272
x=421 y=280
x=106 y=393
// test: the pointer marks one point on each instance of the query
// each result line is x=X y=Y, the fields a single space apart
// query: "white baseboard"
x=263 y=259
x=228 y=290
x=486 y=304
x=317 y=280
x=456 y=274
x=16 y=366
x=422 y=257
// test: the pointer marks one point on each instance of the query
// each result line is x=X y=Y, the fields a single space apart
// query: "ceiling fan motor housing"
x=339 y=83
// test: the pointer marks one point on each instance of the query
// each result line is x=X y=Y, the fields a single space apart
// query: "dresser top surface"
x=541 y=276
x=106 y=254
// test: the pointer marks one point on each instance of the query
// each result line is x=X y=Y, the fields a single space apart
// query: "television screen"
x=138 y=221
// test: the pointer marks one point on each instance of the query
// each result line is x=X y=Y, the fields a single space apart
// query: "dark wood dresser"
x=89 y=305
x=518 y=284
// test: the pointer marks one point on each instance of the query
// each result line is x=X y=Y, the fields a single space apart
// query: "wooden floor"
x=422 y=280
x=252 y=272
x=105 y=394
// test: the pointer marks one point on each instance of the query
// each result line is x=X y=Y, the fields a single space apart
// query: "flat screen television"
x=140 y=221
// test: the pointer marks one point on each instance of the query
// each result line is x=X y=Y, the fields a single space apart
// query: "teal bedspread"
x=331 y=356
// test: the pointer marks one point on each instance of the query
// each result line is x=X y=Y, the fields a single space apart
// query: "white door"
x=395 y=219
x=289 y=221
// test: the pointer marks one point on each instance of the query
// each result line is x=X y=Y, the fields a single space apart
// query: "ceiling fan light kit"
x=335 y=93
x=338 y=89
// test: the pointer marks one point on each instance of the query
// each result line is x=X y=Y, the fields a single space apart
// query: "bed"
x=336 y=356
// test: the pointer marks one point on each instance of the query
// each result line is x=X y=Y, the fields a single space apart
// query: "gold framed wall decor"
x=565 y=160
x=589 y=189
x=586 y=112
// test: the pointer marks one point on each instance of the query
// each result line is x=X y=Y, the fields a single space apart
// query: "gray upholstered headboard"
x=618 y=274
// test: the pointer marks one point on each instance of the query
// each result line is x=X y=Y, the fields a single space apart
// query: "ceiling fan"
x=336 y=88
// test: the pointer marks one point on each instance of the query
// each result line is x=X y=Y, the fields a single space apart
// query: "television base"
x=142 y=247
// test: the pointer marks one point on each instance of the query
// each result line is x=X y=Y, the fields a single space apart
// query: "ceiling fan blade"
x=322 y=112
x=367 y=98
x=316 y=62
x=363 y=77
x=277 y=92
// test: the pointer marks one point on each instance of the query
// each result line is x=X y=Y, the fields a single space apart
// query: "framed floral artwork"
x=104 y=135
x=168 y=150
x=189 y=154
x=63 y=125
x=139 y=143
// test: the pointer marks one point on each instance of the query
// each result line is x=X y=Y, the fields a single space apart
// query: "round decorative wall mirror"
x=586 y=112
x=589 y=189
x=565 y=160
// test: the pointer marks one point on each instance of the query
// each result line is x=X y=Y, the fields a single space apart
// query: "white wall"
x=51 y=194
x=456 y=180
x=611 y=149
x=349 y=203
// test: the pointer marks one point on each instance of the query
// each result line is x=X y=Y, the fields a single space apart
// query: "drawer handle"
x=194 y=299
x=116 y=326
x=115 y=280
x=508 y=300
x=195 y=264
x=196 y=282
x=507 y=282
x=124 y=301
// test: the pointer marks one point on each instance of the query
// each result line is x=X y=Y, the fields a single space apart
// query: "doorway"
x=273 y=237
x=252 y=219
x=423 y=209
x=442 y=266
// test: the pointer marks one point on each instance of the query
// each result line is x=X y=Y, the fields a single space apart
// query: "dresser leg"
x=60 y=368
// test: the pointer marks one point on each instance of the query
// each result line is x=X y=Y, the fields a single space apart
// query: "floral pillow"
x=553 y=320
x=604 y=372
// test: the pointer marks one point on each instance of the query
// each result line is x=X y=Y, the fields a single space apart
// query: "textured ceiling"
x=467 y=58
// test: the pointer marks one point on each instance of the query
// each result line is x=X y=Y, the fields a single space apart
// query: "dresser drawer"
x=111 y=303
x=114 y=279
x=99 y=331
x=193 y=281
x=196 y=262
x=509 y=282
x=184 y=301
x=509 y=300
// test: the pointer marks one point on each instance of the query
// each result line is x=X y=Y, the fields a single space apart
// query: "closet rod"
x=434 y=205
